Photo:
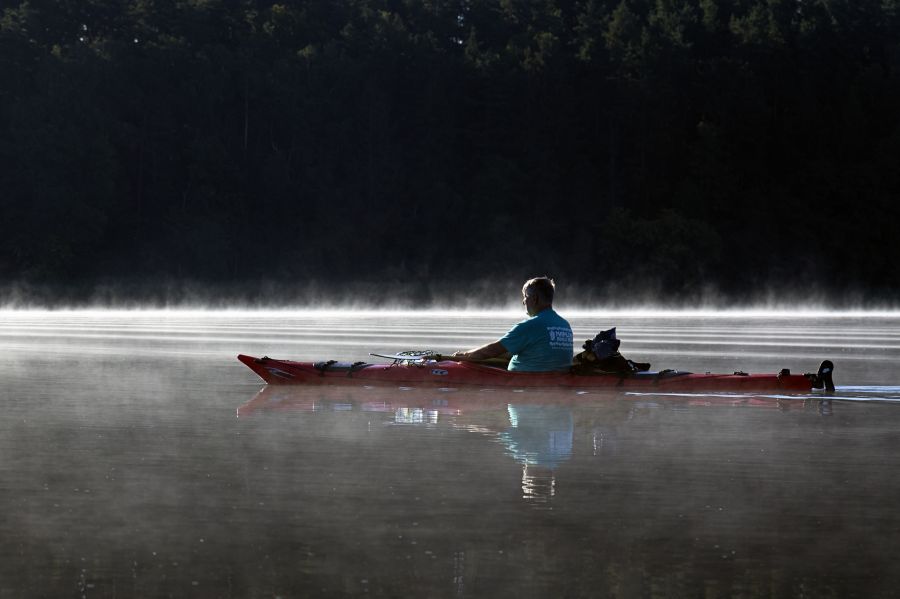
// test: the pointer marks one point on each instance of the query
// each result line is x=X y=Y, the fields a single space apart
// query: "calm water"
x=138 y=458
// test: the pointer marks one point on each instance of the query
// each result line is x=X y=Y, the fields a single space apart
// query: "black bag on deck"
x=604 y=344
x=601 y=356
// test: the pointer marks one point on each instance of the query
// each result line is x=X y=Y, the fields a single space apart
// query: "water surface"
x=139 y=458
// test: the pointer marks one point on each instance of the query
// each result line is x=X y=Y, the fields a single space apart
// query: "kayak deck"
x=448 y=373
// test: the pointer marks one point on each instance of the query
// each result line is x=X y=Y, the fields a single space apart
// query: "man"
x=542 y=343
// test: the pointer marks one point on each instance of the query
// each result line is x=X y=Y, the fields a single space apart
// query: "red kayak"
x=449 y=373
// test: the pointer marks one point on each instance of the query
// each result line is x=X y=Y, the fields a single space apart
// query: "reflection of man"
x=540 y=438
x=539 y=435
x=537 y=344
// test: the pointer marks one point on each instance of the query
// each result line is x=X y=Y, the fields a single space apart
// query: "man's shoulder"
x=539 y=322
x=554 y=317
x=530 y=321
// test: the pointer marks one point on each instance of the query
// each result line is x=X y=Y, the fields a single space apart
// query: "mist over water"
x=139 y=458
x=490 y=294
x=863 y=344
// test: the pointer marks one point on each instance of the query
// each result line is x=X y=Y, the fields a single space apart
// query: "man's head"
x=537 y=294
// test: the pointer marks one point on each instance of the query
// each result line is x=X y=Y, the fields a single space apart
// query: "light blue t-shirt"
x=540 y=343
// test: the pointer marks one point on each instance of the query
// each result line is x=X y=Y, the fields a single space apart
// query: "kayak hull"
x=453 y=374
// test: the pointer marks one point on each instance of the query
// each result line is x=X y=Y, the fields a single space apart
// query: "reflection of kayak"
x=447 y=373
x=486 y=404
x=390 y=398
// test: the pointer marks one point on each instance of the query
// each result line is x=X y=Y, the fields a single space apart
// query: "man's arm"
x=491 y=350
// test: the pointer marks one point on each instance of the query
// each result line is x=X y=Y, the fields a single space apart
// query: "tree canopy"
x=670 y=145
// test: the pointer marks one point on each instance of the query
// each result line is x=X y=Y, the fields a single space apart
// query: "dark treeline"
x=672 y=145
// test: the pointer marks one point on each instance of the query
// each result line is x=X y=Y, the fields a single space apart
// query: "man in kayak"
x=541 y=343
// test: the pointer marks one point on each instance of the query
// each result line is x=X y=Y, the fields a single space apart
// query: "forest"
x=666 y=149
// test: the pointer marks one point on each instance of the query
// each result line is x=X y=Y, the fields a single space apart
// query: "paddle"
x=416 y=355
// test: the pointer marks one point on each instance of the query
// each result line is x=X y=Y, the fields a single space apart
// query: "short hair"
x=543 y=287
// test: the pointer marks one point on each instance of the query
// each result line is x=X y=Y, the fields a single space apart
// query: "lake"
x=139 y=458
